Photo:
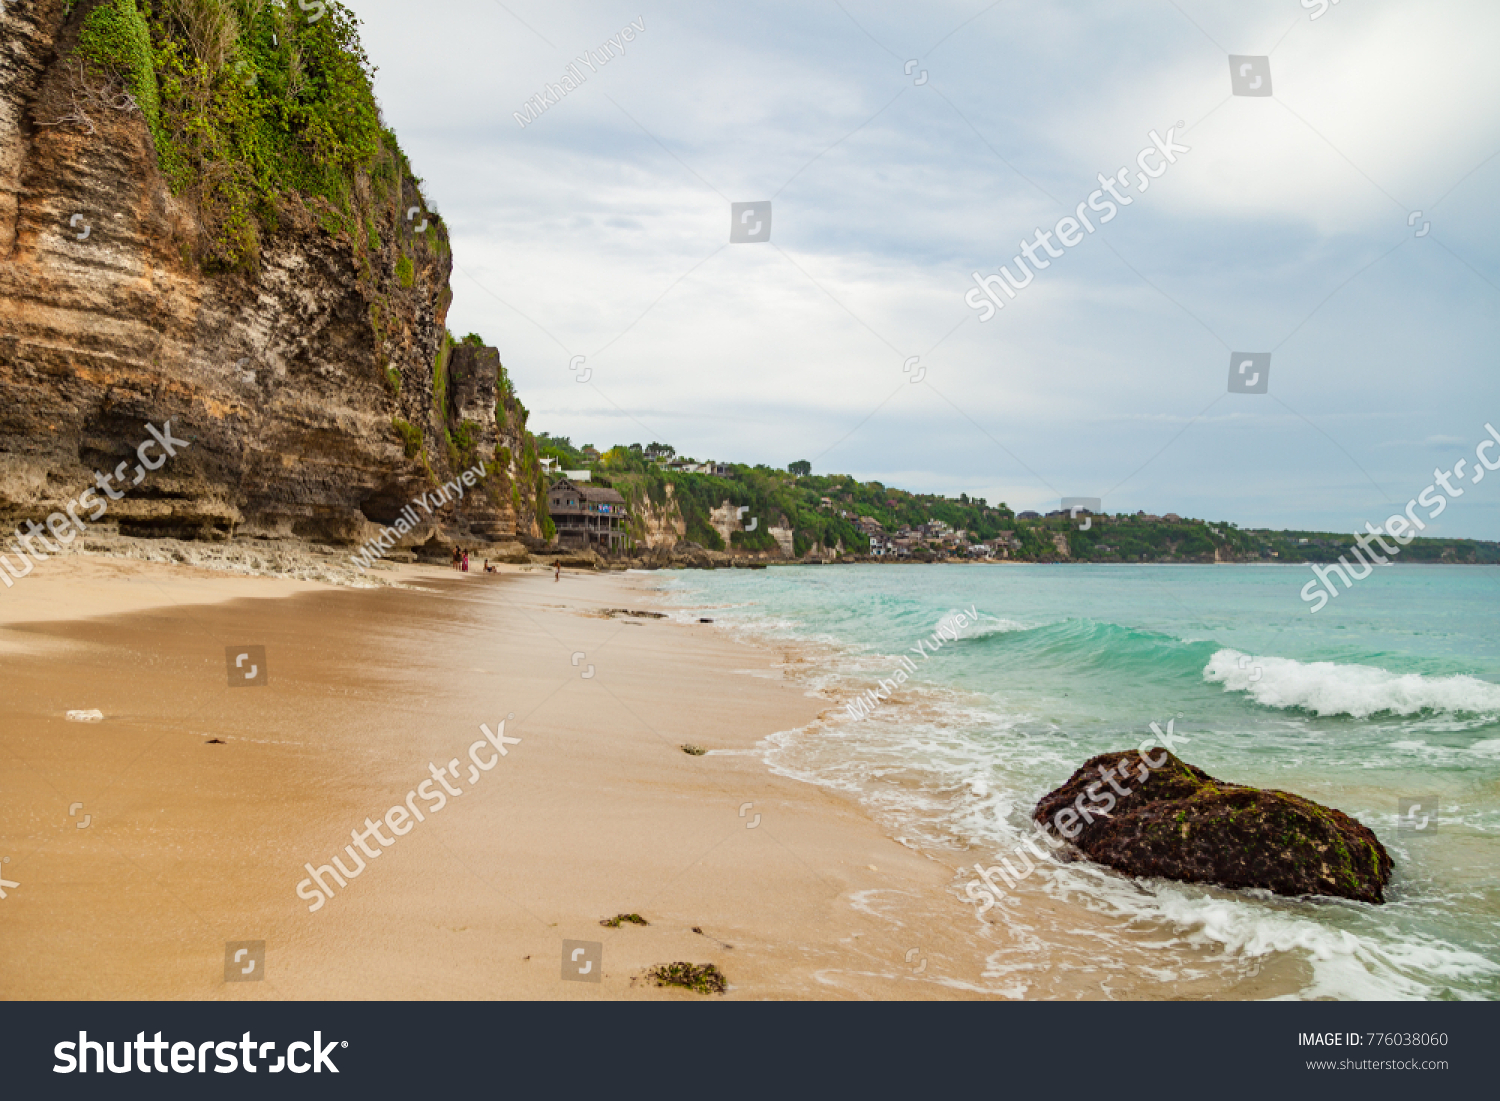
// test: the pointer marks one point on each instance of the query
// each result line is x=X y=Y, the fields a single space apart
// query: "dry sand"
x=597 y=811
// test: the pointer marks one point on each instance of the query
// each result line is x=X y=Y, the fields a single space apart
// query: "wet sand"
x=597 y=811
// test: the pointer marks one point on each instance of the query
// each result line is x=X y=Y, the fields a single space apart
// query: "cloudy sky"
x=601 y=229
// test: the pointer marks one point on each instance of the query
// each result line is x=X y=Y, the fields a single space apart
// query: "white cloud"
x=1262 y=238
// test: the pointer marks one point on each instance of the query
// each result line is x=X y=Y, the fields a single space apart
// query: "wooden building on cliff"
x=587 y=517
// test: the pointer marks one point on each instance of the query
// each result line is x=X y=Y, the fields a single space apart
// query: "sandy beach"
x=204 y=803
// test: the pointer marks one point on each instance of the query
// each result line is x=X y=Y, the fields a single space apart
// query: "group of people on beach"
x=461 y=561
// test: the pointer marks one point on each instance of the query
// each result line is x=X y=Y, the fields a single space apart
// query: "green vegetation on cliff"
x=115 y=37
x=250 y=102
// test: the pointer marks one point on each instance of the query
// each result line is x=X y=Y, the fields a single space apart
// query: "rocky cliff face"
x=661 y=526
x=726 y=520
x=309 y=381
x=489 y=420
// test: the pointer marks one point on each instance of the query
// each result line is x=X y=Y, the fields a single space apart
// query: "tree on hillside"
x=801 y=468
x=560 y=448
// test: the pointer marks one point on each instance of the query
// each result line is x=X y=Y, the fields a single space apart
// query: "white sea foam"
x=995 y=625
x=1330 y=688
x=1348 y=956
x=1344 y=963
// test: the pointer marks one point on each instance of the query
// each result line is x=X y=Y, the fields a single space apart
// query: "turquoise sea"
x=1390 y=693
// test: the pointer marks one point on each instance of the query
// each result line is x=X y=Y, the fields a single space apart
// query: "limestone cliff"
x=490 y=421
x=281 y=303
x=657 y=526
x=728 y=519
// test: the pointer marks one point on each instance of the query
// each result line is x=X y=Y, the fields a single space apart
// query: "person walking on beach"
x=558 y=575
x=455 y=556
x=466 y=562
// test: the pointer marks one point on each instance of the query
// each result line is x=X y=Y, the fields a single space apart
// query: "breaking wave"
x=1330 y=688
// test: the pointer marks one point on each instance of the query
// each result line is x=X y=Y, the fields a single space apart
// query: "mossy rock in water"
x=699 y=978
x=1178 y=822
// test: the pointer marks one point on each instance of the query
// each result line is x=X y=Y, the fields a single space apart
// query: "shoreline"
x=294 y=561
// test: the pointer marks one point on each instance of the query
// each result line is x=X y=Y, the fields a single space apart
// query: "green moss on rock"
x=411 y=437
x=1177 y=822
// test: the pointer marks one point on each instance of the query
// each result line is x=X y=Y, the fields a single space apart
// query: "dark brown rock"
x=1178 y=822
